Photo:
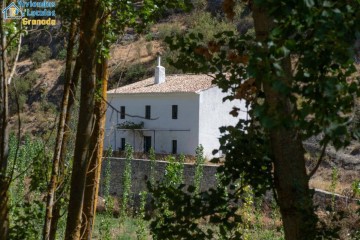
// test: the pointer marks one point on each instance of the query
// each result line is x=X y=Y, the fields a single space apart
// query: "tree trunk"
x=291 y=180
x=4 y=137
x=88 y=45
x=4 y=209
x=97 y=139
x=60 y=132
x=65 y=143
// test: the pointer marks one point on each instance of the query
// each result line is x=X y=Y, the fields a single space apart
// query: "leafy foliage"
x=174 y=171
x=141 y=232
x=126 y=179
x=321 y=34
x=152 y=158
x=28 y=217
x=130 y=125
x=26 y=205
x=199 y=161
x=317 y=36
x=105 y=225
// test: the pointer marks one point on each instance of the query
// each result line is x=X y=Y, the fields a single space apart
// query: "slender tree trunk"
x=60 y=132
x=66 y=138
x=4 y=209
x=88 y=27
x=4 y=137
x=97 y=139
x=291 y=180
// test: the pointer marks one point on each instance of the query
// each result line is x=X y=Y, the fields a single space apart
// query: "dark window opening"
x=147 y=143
x=174 y=111
x=147 y=112
x=122 y=112
x=174 y=147
x=122 y=144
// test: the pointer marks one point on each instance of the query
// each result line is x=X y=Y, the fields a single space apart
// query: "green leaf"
x=309 y=3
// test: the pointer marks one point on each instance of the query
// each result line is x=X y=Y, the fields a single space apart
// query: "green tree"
x=90 y=15
x=8 y=30
x=301 y=50
x=100 y=23
x=52 y=209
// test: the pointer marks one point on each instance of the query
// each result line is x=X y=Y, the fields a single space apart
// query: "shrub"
x=31 y=77
x=149 y=37
x=200 y=4
x=22 y=85
x=126 y=181
x=61 y=54
x=116 y=75
x=135 y=72
x=24 y=51
x=207 y=25
x=168 y=56
x=47 y=106
x=27 y=213
x=199 y=168
x=149 y=48
x=174 y=171
x=169 y=29
x=40 y=56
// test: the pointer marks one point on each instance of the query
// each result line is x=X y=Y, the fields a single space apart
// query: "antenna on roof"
x=158 y=59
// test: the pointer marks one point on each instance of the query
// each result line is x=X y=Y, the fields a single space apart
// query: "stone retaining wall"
x=141 y=172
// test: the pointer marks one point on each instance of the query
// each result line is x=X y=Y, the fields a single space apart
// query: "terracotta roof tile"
x=182 y=83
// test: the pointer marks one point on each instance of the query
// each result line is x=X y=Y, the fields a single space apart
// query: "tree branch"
x=15 y=60
x=319 y=160
x=117 y=111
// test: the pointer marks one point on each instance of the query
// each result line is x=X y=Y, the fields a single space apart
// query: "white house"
x=173 y=114
x=12 y=12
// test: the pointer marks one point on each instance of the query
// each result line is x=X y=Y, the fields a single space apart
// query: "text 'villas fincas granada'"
x=31 y=12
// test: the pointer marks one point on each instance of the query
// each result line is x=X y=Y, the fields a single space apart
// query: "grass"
x=127 y=230
x=262 y=223
x=118 y=231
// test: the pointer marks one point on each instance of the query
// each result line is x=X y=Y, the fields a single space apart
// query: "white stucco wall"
x=214 y=113
x=161 y=109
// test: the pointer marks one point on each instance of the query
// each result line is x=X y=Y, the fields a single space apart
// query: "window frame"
x=146 y=139
x=123 y=143
x=147 y=112
x=174 y=146
x=174 y=111
x=122 y=112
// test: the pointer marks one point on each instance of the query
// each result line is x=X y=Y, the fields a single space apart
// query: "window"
x=122 y=144
x=147 y=111
x=174 y=147
x=174 y=111
x=147 y=143
x=122 y=112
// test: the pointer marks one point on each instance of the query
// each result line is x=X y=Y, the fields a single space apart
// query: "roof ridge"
x=173 y=83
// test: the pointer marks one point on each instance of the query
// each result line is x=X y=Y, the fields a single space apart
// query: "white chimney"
x=159 y=72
